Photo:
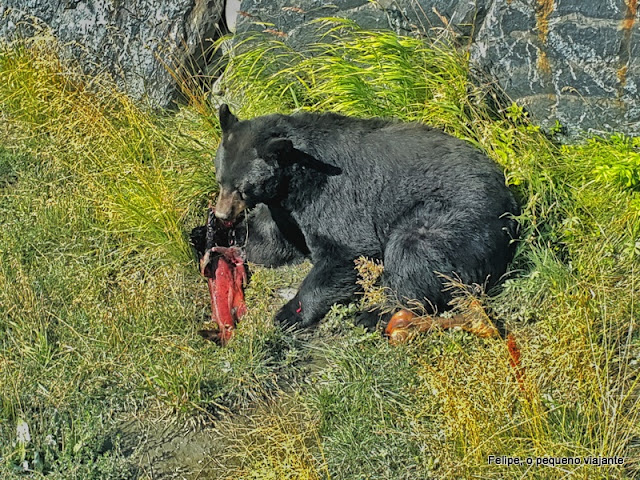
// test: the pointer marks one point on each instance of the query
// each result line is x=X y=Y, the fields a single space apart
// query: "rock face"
x=572 y=61
x=137 y=41
x=425 y=17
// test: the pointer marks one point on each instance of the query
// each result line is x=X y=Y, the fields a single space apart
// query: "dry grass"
x=277 y=440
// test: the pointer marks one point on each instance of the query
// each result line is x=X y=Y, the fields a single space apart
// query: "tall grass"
x=100 y=301
x=135 y=171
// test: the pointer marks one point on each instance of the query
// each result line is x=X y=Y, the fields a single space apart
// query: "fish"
x=223 y=264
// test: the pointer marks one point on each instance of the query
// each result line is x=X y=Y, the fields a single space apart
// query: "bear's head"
x=253 y=159
x=246 y=166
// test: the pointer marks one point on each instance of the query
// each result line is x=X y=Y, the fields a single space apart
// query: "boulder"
x=140 y=42
x=571 y=63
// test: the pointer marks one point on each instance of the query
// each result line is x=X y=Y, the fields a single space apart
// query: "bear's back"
x=399 y=164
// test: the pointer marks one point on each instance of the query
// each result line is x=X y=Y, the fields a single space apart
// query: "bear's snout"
x=229 y=205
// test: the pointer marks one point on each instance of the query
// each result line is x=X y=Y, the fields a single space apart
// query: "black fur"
x=259 y=234
x=262 y=235
x=338 y=187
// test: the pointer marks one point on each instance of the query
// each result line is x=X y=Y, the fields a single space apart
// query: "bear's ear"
x=283 y=152
x=280 y=149
x=227 y=119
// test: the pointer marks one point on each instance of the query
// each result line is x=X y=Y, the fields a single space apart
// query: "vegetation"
x=100 y=302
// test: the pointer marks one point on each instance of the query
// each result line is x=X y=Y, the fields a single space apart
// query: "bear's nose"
x=222 y=215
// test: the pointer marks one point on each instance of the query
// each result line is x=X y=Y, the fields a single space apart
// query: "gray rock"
x=137 y=41
x=578 y=62
x=403 y=16
x=609 y=9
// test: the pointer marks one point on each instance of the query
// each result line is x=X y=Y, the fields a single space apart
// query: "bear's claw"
x=290 y=315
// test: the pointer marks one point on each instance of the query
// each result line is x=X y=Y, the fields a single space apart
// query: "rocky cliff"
x=575 y=62
x=140 y=42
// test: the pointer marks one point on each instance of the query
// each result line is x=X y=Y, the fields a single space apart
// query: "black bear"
x=334 y=188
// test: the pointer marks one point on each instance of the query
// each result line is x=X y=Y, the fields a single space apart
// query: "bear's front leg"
x=330 y=281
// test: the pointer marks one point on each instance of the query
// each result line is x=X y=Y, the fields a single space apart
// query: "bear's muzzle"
x=229 y=205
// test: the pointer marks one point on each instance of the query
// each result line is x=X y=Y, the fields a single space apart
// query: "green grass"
x=100 y=302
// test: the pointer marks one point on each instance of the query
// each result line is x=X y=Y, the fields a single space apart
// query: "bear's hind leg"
x=414 y=258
